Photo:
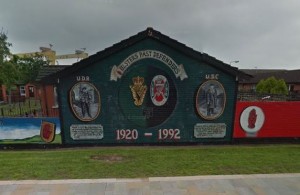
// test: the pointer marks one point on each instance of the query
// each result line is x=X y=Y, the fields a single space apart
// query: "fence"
x=27 y=108
x=254 y=97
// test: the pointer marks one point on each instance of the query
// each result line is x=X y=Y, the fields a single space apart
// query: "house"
x=291 y=77
x=148 y=88
x=19 y=92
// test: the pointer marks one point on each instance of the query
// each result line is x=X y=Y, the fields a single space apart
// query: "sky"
x=263 y=34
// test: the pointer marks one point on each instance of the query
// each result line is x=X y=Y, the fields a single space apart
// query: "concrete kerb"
x=150 y=179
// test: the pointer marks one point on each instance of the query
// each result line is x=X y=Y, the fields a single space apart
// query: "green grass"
x=155 y=161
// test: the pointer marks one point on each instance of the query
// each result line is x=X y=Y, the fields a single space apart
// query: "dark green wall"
x=117 y=109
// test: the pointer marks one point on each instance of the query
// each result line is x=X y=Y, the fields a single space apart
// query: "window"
x=55 y=97
x=253 y=88
x=291 y=88
x=22 y=91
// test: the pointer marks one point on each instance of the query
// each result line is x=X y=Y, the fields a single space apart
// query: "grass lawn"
x=137 y=162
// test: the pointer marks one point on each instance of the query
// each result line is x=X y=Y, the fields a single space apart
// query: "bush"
x=272 y=85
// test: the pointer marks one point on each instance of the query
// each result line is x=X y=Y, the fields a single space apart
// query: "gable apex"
x=151 y=33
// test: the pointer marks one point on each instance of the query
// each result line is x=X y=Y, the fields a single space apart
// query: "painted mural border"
x=201 y=89
x=72 y=101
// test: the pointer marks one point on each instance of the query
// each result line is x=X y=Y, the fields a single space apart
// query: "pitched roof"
x=260 y=71
x=153 y=34
x=45 y=73
x=289 y=76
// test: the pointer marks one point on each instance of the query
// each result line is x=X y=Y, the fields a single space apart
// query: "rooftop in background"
x=290 y=76
x=47 y=71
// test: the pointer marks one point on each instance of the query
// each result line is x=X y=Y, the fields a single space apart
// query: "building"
x=47 y=90
x=291 y=77
x=148 y=88
x=19 y=93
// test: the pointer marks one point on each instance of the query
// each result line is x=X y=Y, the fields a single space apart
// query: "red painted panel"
x=281 y=119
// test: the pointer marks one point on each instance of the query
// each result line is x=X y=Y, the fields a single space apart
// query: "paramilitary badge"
x=138 y=90
x=159 y=90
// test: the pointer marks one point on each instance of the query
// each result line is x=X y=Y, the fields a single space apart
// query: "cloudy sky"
x=258 y=33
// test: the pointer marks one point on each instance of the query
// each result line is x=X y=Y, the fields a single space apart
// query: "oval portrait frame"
x=84 y=95
x=210 y=100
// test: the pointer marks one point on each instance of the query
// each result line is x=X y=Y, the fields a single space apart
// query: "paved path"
x=273 y=184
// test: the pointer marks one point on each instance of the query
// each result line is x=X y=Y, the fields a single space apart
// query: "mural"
x=147 y=96
x=138 y=90
x=267 y=120
x=29 y=130
x=47 y=132
x=252 y=119
x=159 y=90
x=85 y=101
x=210 y=100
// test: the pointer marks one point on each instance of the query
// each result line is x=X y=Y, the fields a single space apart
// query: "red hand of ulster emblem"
x=252 y=119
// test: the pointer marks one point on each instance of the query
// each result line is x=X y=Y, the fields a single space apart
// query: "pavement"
x=261 y=184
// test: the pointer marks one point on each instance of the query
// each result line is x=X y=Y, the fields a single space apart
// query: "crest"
x=47 y=131
x=159 y=90
x=138 y=90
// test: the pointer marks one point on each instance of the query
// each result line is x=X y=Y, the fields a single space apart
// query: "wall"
x=118 y=81
x=26 y=130
x=297 y=88
x=46 y=95
x=246 y=87
x=4 y=95
x=267 y=120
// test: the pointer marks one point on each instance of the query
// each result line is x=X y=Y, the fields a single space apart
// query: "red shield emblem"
x=159 y=90
x=47 y=131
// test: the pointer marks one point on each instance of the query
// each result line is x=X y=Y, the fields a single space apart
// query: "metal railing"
x=252 y=96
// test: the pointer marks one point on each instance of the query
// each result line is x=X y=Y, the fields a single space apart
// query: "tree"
x=4 y=47
x=29 y=67
x=272 y=85
x=9 y=73
x=14 y=69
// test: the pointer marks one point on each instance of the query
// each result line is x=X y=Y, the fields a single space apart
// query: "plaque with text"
x=86 y=132
x=210 y=130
